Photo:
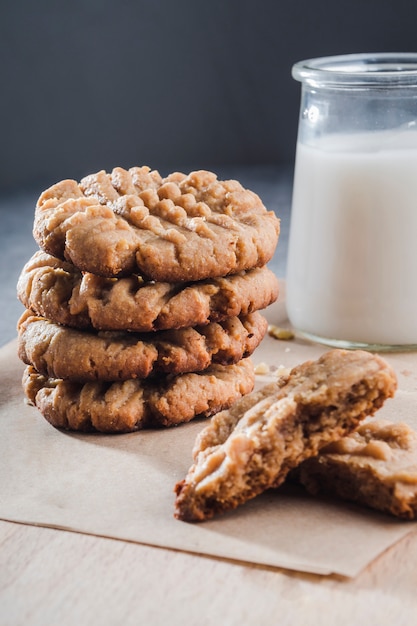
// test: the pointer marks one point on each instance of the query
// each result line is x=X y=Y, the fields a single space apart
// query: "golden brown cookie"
x=57 y=290
x=132 y=405
x=178 y=228
x=375 y=466
x=254 y=445
x=62 y=352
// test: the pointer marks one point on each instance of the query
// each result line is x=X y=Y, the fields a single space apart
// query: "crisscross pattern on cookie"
x=57 y=290
x=78 y=355
x=135 y=404
x=166 y=229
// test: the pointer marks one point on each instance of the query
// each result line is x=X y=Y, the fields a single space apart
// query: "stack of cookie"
x=142 y=304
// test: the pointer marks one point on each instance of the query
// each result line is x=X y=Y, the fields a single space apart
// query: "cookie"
x=57 y=290
x=132 y=405
x=375 y=466
x=62 y=352
x=178 y=228
x=252 y=446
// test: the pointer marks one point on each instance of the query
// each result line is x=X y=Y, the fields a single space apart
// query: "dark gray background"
x=175 y=84
x=89 y=84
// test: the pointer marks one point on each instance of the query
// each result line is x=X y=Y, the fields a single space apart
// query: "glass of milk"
x=352 y=259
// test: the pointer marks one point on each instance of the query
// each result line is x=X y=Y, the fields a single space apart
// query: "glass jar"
x=352 y=257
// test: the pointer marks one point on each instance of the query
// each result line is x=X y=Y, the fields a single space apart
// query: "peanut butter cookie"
x=254 y=445
x=178 y=228
x=132 y=405
x=375 y=466
x=59 y=291
x=62 y=352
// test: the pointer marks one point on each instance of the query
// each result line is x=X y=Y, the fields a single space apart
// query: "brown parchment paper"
x=122 y=486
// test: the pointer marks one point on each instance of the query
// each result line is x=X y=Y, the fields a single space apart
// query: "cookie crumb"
x=262 y=369
x=406 y=372
x=282 y=371
x=277 y=332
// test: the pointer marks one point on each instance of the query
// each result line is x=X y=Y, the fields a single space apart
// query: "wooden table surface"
x=56 y=577
x=50 y=576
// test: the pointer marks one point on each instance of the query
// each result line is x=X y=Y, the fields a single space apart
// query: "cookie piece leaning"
x=375 y=466
x=57 y=290
x=254 y=445
x=132 y=405
x=81 y=356
x=178 y=228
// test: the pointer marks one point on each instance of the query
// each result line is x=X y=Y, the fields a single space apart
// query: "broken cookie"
x=375 y=466
x=252 y=446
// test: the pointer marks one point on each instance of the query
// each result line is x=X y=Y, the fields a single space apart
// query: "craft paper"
x=121 y=486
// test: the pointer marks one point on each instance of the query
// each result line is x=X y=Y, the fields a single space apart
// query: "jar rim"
x=381 y=69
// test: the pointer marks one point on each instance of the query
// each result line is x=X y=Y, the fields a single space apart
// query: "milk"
x=352 y=265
